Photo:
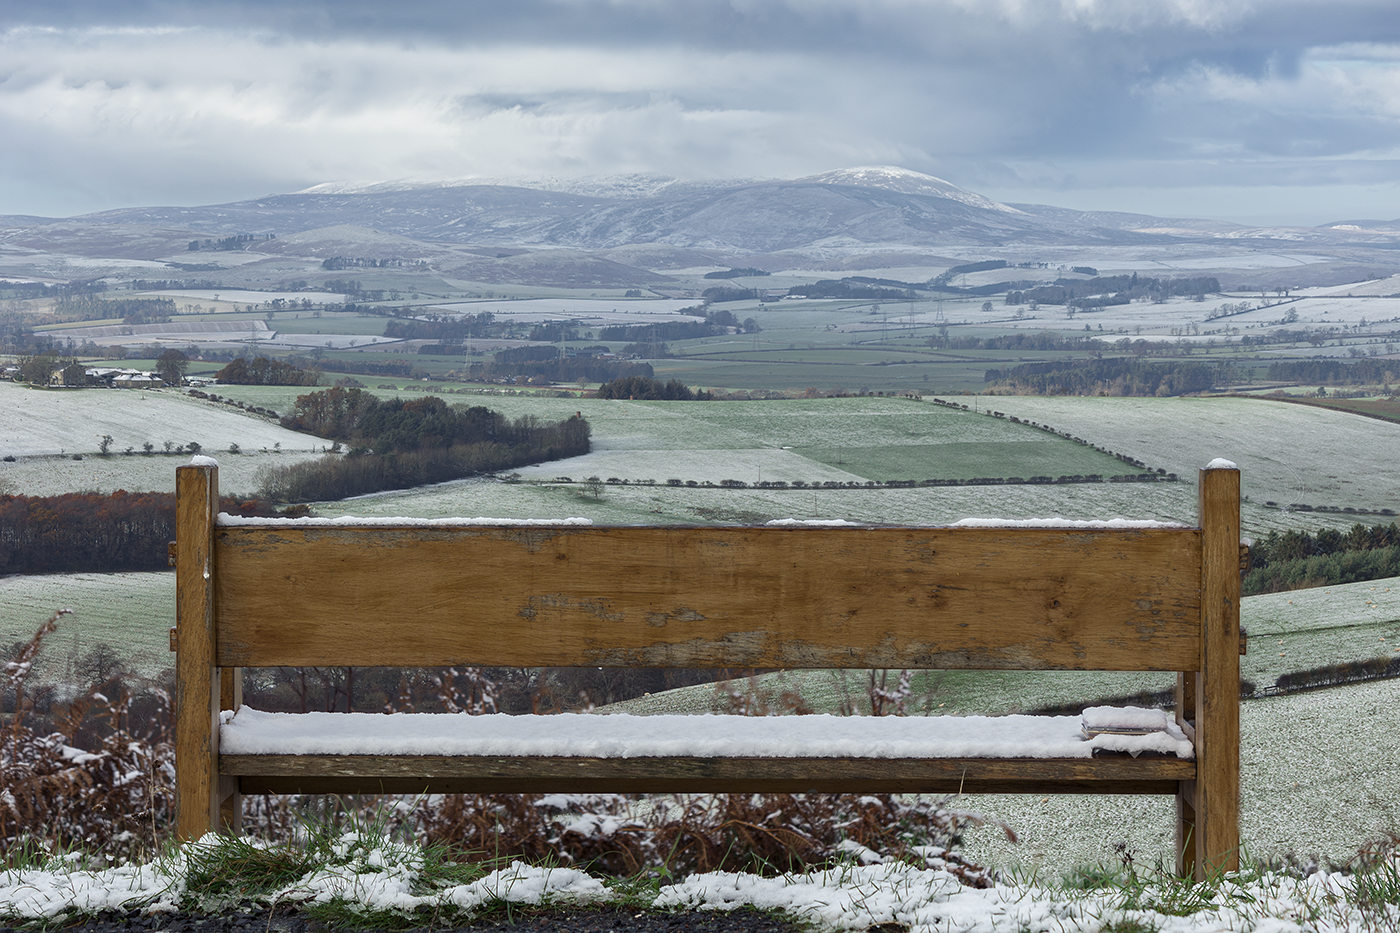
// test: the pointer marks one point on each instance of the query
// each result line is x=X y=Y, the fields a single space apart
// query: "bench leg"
x=230 y=815
x=1186 y=863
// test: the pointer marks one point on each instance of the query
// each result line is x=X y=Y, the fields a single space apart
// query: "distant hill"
x=848 y=209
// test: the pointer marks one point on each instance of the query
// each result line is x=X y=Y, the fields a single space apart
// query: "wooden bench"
x=1135 y=598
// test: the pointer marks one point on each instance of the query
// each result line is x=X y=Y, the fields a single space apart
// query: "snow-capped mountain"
x=906 y=181
x=851 y=210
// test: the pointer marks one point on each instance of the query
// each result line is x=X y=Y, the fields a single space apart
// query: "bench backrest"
x=709 y=597
x=1017 y=598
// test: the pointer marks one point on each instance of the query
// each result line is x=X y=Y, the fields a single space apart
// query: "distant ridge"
x=905 y=181
x=844 y=212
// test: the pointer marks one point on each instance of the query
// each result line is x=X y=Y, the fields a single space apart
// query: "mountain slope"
x=878 y=208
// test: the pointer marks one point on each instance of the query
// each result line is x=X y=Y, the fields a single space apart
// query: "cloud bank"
x=1130 y=104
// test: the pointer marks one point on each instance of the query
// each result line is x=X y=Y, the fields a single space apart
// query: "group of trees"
x=746 y=272
x=857 y=287
x=397 y=443
x=1291 y=560
x=261 y=371
x=1116 y=377
x=716 y=322
x=86 y=532
x=986 y=265
x=337 y=263
x=38 y=369
x=568 y=369
x=1103 y=291
x=645 y=387
x=446 y=328
x=228 y=243
x=1335 y=372
x=87 y=306
x=1020 y=341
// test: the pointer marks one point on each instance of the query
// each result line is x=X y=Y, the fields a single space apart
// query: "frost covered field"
x=43 y=429
x=1287 y=453
x=1319 y=775
x=131 y=612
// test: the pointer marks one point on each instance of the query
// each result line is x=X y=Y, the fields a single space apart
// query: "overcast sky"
x=1278 y=111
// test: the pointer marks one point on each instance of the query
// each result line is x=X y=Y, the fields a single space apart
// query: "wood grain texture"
x=494 y=774
x=1014 y=599
x=196 y=687
x=1217 y=803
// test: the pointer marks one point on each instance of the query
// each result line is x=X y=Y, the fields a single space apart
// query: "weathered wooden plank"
x=196 y=687
x=1217 y=803
x=985 y=598
x=491 y=774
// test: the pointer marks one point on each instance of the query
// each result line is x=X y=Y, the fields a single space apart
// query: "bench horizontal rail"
x=770 y=597
x=285 y=774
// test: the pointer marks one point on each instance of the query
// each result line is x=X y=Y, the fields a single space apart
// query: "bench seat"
x=622 y=735
x=455 y=753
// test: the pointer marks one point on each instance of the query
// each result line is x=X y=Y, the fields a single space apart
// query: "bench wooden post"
x=197 y=688
x=1216 y=807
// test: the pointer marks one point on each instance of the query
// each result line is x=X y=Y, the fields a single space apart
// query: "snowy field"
x=1319 y=775
x=43 y=429
x=588 y=312
x=130 y=612
x=1178 y=319
x=1287 y=453
x=257 y=299
x=41 y=422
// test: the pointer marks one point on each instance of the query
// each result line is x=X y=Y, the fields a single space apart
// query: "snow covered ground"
x=43 y=429
x=1287 y=453
x=588 y=312
x=367 y=874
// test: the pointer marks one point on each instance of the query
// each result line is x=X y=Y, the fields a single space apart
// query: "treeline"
x=446 y=329
x=401 y=369
x=570 y=369
x=262 y=371
x=858 y=287
x=1294 y=560
x=1334 y=675
x=729 y=293
x=156 y=285
x=986 y=265
x=1335 y=372
x=228 y=243
x=10 y=289
x=1116 y=377
x=84 y=532
x=351 y=288
x=645 y=387
x=1322 y=570
x=1022 y=340
x=337 y=263
x=1279 y=546
x=716 y=322
x=397 y=443
x=90 y=307
x=735 y=273
x=1108 y=290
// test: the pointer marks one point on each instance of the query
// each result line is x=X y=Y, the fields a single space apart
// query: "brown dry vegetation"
x=95 y=774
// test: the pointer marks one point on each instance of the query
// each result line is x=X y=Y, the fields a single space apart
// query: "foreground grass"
x=361 y=880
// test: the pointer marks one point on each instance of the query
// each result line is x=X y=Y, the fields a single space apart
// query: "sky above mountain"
x=1259 y=111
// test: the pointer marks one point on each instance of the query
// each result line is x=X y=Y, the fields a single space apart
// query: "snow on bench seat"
x=622 y=735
